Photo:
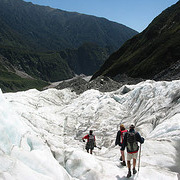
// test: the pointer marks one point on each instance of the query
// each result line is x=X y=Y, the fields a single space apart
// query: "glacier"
x=41 y=132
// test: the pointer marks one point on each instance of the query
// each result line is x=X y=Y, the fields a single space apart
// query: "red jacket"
x=87 y=137
x=119 y=137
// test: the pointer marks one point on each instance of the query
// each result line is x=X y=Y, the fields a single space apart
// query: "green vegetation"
x=10 y=82
x=44 y=28
x=149 y=52
x=51 y=44
x=46 y=66
x=86 y=59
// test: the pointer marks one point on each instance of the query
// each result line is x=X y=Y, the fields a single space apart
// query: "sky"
x=136 y=14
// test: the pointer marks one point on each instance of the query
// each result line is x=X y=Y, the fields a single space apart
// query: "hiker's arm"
x=124 y=143
x=85 y=137
x=117 y=142
x=139 y=138
x=94 y=141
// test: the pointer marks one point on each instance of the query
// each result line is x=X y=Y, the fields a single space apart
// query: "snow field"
x=41 y=132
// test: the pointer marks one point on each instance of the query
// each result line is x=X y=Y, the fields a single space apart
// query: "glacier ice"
x=41 y=132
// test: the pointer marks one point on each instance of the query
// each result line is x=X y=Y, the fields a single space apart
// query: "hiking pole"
x=98 y=147
x=139 y=158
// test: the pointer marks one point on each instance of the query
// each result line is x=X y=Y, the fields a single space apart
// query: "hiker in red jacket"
x=91 y=141
x=119 y=141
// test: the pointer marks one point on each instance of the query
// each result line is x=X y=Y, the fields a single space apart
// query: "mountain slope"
x=53 y=29
x=150 y=52
x=14 y=80
x=51 y=44
x=86 y=59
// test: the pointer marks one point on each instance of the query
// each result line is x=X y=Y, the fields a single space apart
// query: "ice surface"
x=41 y=132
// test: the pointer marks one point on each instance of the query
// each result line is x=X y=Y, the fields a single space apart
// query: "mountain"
x=39 y=67
x=149 y=53
x=45 y=28
x=41 y=132
x=12 y=79
x=85 y=59
x=35 y=39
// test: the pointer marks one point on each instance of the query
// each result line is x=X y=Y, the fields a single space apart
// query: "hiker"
x=119 y=141
x=91 y=141
x=130 y=141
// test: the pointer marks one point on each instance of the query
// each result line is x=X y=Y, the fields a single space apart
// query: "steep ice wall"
x=23 y=154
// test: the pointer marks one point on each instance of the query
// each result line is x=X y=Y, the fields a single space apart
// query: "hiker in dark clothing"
x=91 y=141
x=119 y=141
x=131 y=140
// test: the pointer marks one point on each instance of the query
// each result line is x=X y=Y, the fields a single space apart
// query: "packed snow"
x=41 y=132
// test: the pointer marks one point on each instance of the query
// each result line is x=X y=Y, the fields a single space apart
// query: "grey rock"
x=101 y=83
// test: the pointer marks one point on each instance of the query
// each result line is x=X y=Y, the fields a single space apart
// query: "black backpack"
x=91 y=143
x=91 y=138
x=132 y=144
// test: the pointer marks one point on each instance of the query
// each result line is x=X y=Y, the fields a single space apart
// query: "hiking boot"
x=123 y=163
x=120 y=158
x=129 y=174
x=134 y=171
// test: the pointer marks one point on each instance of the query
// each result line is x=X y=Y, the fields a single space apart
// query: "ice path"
x=61 y=118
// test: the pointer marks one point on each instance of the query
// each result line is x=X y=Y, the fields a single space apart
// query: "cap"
x=132 y=126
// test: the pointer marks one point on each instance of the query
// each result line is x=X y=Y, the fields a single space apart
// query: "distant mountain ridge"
x=53 y=29
x=151 y=52
x=34 y=39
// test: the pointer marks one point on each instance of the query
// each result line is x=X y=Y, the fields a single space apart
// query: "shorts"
x=131 y=156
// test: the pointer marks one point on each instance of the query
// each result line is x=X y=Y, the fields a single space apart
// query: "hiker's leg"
x=129 y=165
x=123 y=159
x=129 y=169
x=129 y=157
x=134 y=166
x=122 y=154
x=134 y=163
x=134 y=159
x=90 y=151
